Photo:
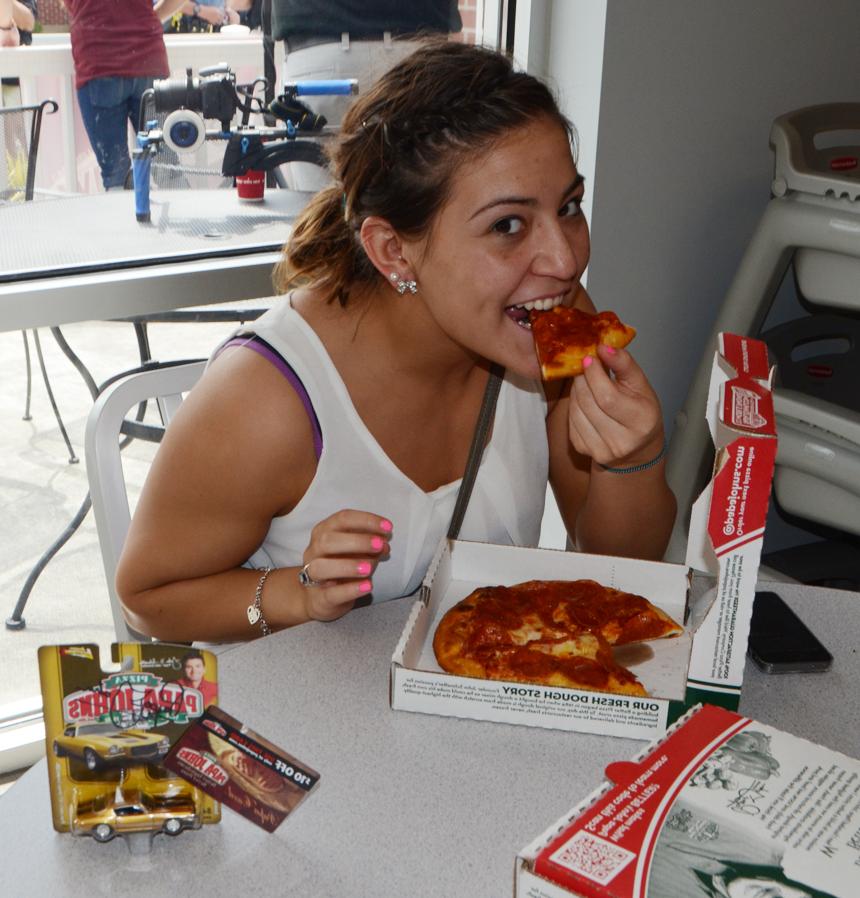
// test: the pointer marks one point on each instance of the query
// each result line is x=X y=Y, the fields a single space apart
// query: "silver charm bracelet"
x=255 y=611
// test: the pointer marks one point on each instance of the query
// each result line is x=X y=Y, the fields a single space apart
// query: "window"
x=40 y=491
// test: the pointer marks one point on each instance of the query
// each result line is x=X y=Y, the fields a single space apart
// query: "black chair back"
x=21 y=139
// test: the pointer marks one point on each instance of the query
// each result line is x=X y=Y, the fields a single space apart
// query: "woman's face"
x=511 y=237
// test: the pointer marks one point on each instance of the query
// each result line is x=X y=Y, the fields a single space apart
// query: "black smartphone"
x=780 y=642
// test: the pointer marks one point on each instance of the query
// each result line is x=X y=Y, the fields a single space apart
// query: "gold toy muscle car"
x=103 y=823
x=98 y=744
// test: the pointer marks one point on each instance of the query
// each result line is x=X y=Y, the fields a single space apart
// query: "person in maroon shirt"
x=118 y=51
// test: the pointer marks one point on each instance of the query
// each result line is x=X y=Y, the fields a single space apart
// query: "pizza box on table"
x=704 y=664
x=722 y=805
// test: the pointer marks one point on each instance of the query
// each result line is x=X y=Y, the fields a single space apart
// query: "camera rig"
x=188 y=102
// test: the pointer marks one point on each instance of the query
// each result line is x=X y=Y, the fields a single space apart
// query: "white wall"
x=562 y=42
x=683 y=167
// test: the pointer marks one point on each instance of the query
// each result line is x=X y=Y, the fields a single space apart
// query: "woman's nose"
x=555 y=254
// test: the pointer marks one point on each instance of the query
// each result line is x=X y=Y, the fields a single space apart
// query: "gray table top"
x=99 y=232
x=408 y=804
x=87 y=258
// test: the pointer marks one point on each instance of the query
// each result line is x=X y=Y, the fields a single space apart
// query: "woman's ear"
x=384 y=248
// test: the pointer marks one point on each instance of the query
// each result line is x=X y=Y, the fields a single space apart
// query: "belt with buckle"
x=303 y=41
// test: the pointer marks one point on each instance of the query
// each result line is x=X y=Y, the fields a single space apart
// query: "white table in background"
x=85 y=258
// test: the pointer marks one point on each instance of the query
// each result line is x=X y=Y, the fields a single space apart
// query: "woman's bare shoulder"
x=243 y=408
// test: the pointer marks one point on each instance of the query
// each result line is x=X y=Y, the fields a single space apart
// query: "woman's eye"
x=572 y=207
x=508 y=226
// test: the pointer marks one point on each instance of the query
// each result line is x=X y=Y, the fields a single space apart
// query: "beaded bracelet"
x=255 y=611
x=633 y=469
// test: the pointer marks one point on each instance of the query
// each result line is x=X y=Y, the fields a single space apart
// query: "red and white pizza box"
x=722 y=805
x=704 y=664
x=728 y=519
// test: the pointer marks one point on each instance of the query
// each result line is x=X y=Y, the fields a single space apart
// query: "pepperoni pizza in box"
x=602 y=644
x=723 y=806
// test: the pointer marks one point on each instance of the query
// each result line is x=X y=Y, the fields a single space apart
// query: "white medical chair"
x=106 y=424
x=813 y=223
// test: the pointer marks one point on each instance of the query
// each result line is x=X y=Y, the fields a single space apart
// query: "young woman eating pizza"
x=317 y=462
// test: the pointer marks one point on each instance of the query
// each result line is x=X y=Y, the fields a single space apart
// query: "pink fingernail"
x=587 y=361
x=377 y=543
x=365 y=586
x=386 y=526
x=610 y=350
x=363 y=568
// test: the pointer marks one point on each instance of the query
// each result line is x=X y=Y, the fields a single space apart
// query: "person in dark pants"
x=339 y=39
x=118 y=51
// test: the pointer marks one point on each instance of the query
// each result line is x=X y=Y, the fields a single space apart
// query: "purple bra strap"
x=260 y=346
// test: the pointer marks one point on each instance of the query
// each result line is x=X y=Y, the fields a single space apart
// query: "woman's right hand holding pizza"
x=340 y=559
x=614 y=413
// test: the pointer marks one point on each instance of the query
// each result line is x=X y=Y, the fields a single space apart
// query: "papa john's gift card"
x=241 y=769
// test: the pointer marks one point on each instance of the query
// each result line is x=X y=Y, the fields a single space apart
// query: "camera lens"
x=184 y=134
x=184 y=131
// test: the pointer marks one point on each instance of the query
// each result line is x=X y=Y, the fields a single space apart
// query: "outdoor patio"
x=40 y=491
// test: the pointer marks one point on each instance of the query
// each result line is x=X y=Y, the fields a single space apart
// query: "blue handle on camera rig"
x=325 y=88
x=141 y=165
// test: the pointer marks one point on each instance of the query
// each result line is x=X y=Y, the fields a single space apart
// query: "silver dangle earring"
x=403 y=285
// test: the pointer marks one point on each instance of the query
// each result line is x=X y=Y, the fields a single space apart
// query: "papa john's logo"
x=204 y=765
x=214 y=726
x=744 y=409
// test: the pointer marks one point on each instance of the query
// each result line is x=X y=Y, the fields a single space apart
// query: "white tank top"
x=507 y=501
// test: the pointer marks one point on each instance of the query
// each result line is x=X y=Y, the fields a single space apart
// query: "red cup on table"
x=251 y=185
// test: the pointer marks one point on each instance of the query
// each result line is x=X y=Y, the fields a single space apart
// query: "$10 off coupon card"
x=239 y=768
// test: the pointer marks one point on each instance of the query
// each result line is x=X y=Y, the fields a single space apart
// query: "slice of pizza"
x=550 y=632
x=620 y=617
x=584 y=661
x=565 y=336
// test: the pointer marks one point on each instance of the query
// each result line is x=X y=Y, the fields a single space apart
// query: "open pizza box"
x=718 y=799
x=704 y=664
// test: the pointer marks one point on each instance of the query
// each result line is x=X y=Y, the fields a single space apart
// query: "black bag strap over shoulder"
x=482 y=428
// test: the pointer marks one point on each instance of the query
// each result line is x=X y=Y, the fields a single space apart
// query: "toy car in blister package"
x=107 y=733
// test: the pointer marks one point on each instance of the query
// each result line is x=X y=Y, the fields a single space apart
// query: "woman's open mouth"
x=520 y=313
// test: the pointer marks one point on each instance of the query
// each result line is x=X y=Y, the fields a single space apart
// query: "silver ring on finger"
x=306 y=579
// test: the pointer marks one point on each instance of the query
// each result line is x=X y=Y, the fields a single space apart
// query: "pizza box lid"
x=731 y=511
x=720 y=795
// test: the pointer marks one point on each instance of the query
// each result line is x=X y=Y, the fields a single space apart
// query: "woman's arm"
x=23 y=16
x=164 y=9
x=614 y=421
x=214 y=15
x=238 y=453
